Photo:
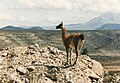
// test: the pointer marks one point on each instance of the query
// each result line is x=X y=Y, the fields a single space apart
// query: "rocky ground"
x=32 y=64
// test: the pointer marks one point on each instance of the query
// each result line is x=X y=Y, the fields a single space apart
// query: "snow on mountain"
x=103 y=19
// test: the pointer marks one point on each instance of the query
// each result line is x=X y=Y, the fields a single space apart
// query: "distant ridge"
x=109 y=27
x=12 y=28
x=109 y=21
x=21 y=28
x=95 y=23
x=36 y=28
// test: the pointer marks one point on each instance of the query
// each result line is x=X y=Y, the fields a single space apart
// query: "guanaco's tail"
x=81 y=42
x=81 y=37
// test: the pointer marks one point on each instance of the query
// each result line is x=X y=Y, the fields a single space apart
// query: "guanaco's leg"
x=71 y=50
x=76 y=50
x=67 y=51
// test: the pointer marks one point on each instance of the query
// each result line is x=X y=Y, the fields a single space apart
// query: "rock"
x=30 y=68
x=10 y=66
x=1 y=62
x=37 y=46
x=118 y=81
x=46 y=65
x=12 y=54
x=52 y=76
x=45 y=80
x=90 y=65
x=69 y=75
x=15 y=78
x=4 y=54
x=70 y=81
x=33 y=62
x=53 y=70
x=92 y=75
x=32 y=52
x=45 y=55
x=32 y=47
x=87 y=58
x=1 y=49
x=97 y=68
x=53 y=50
x=11 y=81
x=22 y=70
x=7 y=48
x=50 y=61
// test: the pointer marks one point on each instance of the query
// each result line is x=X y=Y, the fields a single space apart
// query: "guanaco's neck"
x=63 y=32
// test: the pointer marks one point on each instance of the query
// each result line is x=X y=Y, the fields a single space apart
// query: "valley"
x=102 y=45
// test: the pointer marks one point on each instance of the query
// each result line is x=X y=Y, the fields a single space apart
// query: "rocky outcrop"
x=32 y=64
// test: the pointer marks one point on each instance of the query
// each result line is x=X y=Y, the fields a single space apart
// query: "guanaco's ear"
x=61 y=23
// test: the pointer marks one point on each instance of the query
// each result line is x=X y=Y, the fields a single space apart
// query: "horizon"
x=49 y=13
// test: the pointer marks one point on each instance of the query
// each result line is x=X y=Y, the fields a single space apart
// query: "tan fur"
x=71 y=41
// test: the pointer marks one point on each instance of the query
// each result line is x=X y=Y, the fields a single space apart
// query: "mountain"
x=12 y=28
x=78 y=26
x=109 y=27
x=103 y=19
x=68 y=26
x=94 y=23
x=36 y=28
x=49 y=27
x=21 y=28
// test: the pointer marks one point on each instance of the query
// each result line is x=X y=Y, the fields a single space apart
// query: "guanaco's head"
x=59 y=26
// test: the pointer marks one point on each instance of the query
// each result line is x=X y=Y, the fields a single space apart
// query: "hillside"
x=35 y=28
x=31 y=64
x=103 y=19
x=109 y=27
x=21 y=28
x=95 y=40
x=12 y=28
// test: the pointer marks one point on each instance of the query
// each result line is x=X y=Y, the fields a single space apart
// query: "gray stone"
x=22 y=70
x=30 y=68
x=4 y=54
x=97 y=68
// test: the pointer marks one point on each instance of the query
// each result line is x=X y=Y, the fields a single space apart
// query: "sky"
x=52 y=12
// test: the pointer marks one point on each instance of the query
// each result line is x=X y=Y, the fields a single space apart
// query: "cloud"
x=22 y=18
x=1 y=5
x=97 y=5
x=6 y=17
x=47 y=4
x=82 y=5
x=52 y=11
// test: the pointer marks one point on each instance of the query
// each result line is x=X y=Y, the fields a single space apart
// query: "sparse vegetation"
x=102 y=46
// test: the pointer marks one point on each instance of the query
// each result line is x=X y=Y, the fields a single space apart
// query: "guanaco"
x=71 y=41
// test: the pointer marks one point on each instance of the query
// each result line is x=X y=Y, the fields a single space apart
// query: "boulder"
x=92 y=75
x=22 y=70
x=97 y=68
